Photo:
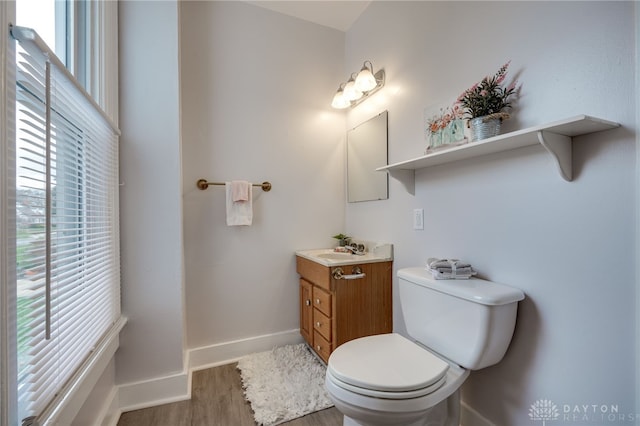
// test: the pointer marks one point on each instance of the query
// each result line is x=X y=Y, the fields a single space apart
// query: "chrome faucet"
x=357 y=249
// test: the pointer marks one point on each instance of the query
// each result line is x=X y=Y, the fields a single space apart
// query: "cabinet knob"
x=307 y=302
x=318 y=347
x=318 y=323
x=317 y=301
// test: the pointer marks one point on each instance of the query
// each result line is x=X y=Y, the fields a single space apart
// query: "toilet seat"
x=385 y=394
x=386 y=366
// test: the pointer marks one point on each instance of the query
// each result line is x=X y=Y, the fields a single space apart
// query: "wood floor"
x=216 y=400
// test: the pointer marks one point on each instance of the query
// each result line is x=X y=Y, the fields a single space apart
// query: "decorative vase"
x=484 y=127
x=457 y=130
x=435 y=139
x=446 y=135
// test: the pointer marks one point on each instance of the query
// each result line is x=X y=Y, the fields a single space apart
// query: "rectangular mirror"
x=366 y=151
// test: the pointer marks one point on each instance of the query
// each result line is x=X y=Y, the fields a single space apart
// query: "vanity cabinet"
x=334 y=310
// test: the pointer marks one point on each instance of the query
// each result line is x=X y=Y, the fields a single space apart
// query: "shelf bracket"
x=406 y=177
x=559 y=146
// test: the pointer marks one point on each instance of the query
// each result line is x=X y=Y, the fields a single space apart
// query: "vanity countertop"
x=329 y=257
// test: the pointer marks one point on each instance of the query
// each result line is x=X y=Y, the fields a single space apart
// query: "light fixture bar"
x=348 y=94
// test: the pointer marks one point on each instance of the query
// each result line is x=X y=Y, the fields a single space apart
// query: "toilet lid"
x=388 y=363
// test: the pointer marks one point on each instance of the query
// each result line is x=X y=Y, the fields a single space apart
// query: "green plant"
x=341 y=237
x=488 y=97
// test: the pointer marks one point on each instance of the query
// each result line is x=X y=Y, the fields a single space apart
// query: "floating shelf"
x=555 y=137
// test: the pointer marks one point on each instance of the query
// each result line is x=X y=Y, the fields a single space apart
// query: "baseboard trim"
x=177 y=387
x=158 y=391
x=470 y=417
x=228 y=352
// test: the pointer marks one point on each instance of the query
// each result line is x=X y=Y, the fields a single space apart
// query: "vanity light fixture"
x=357 y=89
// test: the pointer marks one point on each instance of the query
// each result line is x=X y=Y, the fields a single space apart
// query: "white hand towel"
x=240 y=190
x=238 y=212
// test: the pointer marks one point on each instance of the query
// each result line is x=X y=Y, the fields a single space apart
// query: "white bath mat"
x=283 y=384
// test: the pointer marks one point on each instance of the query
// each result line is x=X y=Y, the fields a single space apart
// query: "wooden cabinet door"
x=306 y=311
x=363 y=306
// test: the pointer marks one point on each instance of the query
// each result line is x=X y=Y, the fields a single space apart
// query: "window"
x=83 y=35
x=67 y=228
x=48 y=17
x=66 y=225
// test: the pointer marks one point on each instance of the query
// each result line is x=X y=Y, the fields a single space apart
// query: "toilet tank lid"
x=474 y=289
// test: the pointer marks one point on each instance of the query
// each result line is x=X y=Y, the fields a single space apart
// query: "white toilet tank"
x=470 y=322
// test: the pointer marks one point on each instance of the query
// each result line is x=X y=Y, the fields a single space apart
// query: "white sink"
x=336 y=255
x=329 y=257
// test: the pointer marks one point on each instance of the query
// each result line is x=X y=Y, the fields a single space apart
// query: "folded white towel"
x=451 y=276
x=449 y=269
x=238 y=212
x=466 y=270
x=432 y=262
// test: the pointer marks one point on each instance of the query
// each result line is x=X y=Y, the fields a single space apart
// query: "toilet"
x=455 y=326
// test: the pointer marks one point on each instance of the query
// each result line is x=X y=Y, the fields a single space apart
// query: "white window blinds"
x=68 y=290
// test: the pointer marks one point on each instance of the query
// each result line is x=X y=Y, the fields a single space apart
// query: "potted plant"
x=343 y=239
x=485 y=103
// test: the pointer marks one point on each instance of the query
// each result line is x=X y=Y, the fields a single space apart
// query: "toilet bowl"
x=455 y=326
x=388 y=380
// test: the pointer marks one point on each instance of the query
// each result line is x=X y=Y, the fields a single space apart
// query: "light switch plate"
x=418 y=219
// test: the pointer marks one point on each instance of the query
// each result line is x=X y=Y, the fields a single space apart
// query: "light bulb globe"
x=339 y=101
x=350 y=92
x=365 y=81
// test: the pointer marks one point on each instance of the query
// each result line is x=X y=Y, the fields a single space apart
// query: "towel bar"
x=203 y=184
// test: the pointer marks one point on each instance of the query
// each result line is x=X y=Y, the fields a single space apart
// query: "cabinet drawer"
x=322 y=324
x=319 y=275
x=322 y=301
x=321 y=346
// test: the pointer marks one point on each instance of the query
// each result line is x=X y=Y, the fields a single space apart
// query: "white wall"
x=256 y=87
x=151 y=344
x=248 y=114
x=569 y=246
